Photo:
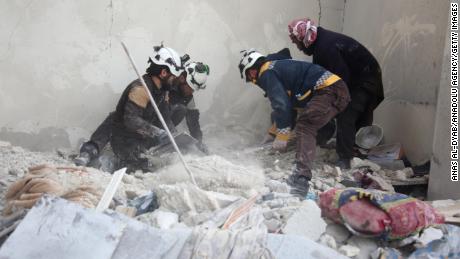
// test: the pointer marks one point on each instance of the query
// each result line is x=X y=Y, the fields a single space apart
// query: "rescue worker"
x=182 y=105
x=134 y=126
x=351 y=61
x=323 y=135
x=289 y=84
x=182 y=102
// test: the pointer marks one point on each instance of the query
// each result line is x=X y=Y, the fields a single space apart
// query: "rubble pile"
x=15 y=161
x=237 y=190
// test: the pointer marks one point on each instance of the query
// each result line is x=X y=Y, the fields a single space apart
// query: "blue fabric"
x=286 y=75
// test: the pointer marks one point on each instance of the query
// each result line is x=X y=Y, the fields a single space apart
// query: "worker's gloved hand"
x=281 y=140
x=202 y=147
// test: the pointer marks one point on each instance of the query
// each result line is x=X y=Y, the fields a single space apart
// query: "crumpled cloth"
x=407 y=215
x=43 y=179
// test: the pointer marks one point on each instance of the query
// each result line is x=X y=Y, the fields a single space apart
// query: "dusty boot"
x=299 y=185
x=343 y=163
x=88 y=151
x=82 y=159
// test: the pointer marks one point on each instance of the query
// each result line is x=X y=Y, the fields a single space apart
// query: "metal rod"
x=159 y=114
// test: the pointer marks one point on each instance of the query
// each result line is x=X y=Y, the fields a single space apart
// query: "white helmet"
x=249 y=58
x=197 y=73
x=167 y=57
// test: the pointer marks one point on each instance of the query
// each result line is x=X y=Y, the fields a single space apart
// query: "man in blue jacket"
x=351 y=61
x=289 y=84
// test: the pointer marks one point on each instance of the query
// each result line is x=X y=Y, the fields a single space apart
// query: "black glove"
x=202 y=147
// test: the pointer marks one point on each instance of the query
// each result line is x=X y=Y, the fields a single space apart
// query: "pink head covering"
x=303 y=30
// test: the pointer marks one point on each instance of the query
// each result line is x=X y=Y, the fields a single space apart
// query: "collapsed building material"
x=367 y=179
x=184 y=197
x=55 y=228
x=357 y=163
x=306 y=221
x=366 y=246
x=237 y=213
x=445 y=247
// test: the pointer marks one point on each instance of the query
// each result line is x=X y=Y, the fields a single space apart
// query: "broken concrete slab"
x=56 y=228
x=306 y=221
x=349 y=251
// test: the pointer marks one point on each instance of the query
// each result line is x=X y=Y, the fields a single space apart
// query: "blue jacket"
x=288 y=83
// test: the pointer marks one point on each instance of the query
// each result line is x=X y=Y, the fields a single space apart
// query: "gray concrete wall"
x=62 y=68
x=441 y=187
x=407 y=37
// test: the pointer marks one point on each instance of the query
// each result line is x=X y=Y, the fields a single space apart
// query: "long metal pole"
x=159 y=115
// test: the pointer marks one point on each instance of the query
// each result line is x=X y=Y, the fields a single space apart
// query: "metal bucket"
x=369 y=137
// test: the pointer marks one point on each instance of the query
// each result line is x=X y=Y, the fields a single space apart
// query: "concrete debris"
x=390 y=164
x=349 y=251
x=338 y=232
x=225 y=182
x=401 y=175
x=4 y=144
x=186 y=197
x=212 y=173
x=160 y=219
x=277 y=186
x=129 y=179
x=293 y=247
x=56 y=228
x=283 y=202
x=328 y=241
x=128 y=211
x=428 y=235
x=365 y=245
x=357 y=163
x=273 y=225
x=379 y=183
x=312 y=228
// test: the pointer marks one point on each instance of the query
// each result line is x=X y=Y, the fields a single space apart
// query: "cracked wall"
x=62 y=68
